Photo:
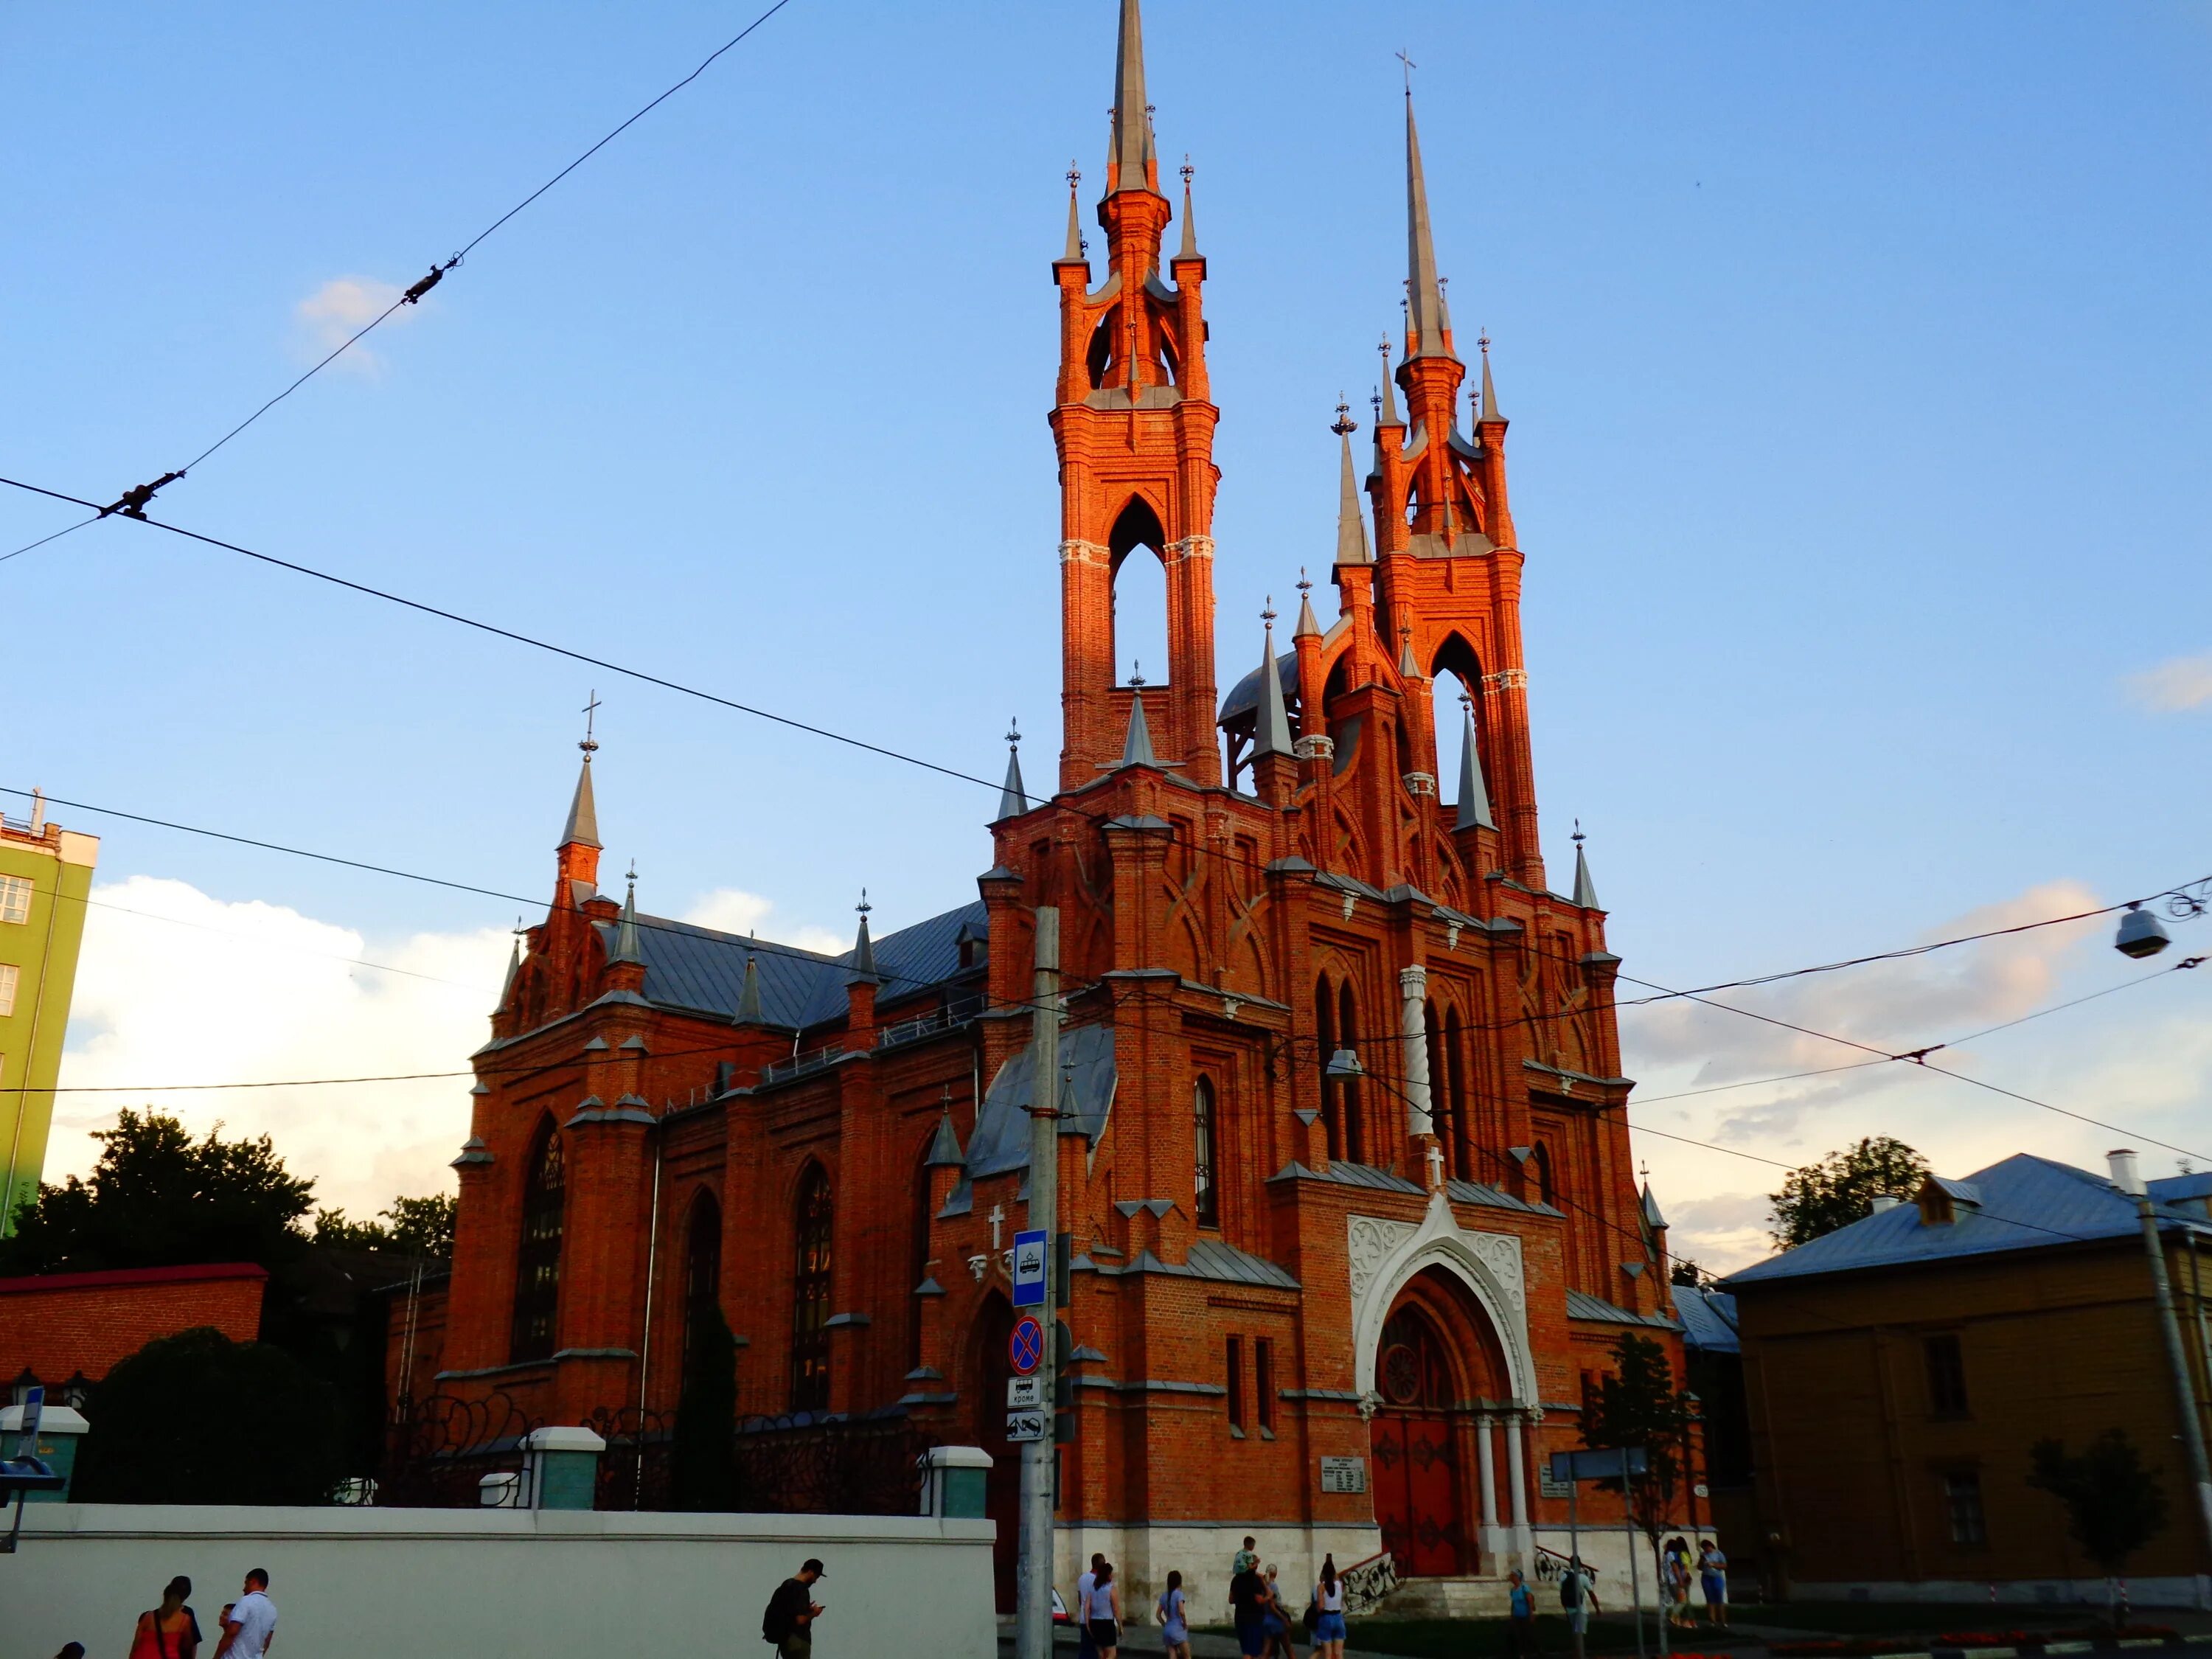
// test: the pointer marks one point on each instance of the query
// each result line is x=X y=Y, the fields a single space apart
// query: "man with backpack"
x=1578 y=1596
x=791 y=1611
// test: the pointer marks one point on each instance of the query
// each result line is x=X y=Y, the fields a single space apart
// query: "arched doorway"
x=989 y=1366
x=1416 y=1450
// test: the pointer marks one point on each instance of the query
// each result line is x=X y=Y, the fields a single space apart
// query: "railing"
x=942 y=1020
x=1550 y=1563
x=782 y=1071
x=439 y=1450
x=1366 y=1582
x=637 y=1469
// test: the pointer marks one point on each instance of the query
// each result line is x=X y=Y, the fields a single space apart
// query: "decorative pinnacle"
x=1577 y=836
x=1267 y=616
x=1136 y=673
x=1344 y=425
x=1375 y=402
x=1013 y=732
x=1187 y=170
x=591 y=715
x=1304 y=586
x=863 y=907
x=1410 y=67
x=1074 y=178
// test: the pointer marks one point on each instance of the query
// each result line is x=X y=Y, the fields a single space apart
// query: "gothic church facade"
x=1344 y=1167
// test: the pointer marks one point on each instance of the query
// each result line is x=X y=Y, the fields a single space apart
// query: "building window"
x=1207 y=1192
x=810 y=1301
x=1455 y=1065
x=9 y=974
x=537 y=1257
x=1962 y=1501
x=1237 y=1387
x=1541 y=1162
x=1347 y=1035
x=1263 y=1383
x=1332 y=1110
x=702 y=1274
x=917 y=1261
x=15 y=898
x=1947 y=1376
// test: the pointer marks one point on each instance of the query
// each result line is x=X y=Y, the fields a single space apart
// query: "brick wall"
x=57 y=1325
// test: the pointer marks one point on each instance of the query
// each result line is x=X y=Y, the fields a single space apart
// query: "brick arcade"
x=1418 y=1265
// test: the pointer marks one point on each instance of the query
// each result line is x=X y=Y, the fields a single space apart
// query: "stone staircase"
x=1444 y=1598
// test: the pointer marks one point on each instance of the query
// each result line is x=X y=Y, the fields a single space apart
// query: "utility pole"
x=1033 y=1605
x=2177 y=1359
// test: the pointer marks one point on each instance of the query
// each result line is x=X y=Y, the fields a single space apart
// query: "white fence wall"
x=367 y=1584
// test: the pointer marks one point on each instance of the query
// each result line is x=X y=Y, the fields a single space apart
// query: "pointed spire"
x=1271 y=732
x=1350 y=522
x=1013 y=799
x=1652 y=1217
x=1137 y=746
x=1585 y=893
x=1307 y=625
x=514 y=967
x=1074 y=254
x=626 y=935
x=1189 y=248
x=1474 y=796
x=749 y=994
x=944 y=1151
x=1489 y=391
x=1424 y=326
x=1407 y=668
x=863 y=971
x=1387 y=415
x=1132 y=122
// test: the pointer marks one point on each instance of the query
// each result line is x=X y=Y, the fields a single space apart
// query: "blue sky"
x=1856 y=360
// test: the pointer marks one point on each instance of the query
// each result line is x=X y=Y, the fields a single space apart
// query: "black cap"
x=815 y=1567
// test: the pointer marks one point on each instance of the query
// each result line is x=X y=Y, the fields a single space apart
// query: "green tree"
x=157 y=1199
x=406 y=1226
x=1638 y=1404
x=2114 y=1505
x=197 y=1419
x=703 y=1472
x=1841 y=1189
x=1687 y=1272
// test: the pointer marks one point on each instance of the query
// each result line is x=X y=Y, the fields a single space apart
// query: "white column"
x=1485 y=1427
x=1413 y=985
x=1524 y=1540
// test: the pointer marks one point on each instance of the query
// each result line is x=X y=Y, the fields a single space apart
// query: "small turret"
x=749 y=996
x=1013 y=798
x=626 y=946
x=1473 y=793
x=1351 y=521
x=863 y=970
x=1585 y=893
x=1137 y=745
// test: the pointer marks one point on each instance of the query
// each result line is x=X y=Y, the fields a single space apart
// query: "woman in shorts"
x=1102 y=1612
x=1328 y=1605
x=1174 y=1619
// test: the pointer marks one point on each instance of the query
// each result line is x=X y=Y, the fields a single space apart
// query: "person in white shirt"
x=250 y=1625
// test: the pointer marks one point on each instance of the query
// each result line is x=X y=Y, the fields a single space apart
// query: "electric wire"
x=437 y=272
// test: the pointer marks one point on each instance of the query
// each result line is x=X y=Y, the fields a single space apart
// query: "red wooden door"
x=1415 y=1454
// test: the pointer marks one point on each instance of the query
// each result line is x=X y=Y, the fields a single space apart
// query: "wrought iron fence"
x=805 y=1465
x=439 y=1450
x=636 y=1471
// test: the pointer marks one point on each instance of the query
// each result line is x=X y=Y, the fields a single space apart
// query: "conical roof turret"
x=1307 y=625
x=749 y=995
x=1073 y=253
x=1132 y=122
x=507 y=986
x=1013 y=798
x=582 y=829
x=626 y=947
x=1351 y=521
x=863 y=970
x=1424 y=319
x=1489 y=410
x=1271 y=731
x=1189 y=248
x=944 y=1151
x=1137 y=744
x=1473 y=795
x=1585 y=893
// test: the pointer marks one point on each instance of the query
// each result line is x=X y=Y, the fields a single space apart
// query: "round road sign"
x=1026 y=1346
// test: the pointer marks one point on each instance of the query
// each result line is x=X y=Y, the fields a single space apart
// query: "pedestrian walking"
x=1085 y=1647
x=1102 y=1611
x=1578 y=1596
x=789 y=1621
x=1329 y=1612
x=1712 y=1578
x=1175 y=1618
x=1279 y=1620
x=1520 y=1619
x=1676 y=1560
x=249 y=1624
x=1248 y=1600
x=170 y=1630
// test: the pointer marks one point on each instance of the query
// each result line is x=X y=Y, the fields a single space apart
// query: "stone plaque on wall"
x=1347 y=1474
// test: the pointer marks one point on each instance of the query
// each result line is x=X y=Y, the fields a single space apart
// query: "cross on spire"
x=590 y=712
x=1410 y=67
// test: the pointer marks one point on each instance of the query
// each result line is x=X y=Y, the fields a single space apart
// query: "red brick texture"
x=57 y=1325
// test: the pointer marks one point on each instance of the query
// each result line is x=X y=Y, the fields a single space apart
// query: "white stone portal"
x=1383 y=1254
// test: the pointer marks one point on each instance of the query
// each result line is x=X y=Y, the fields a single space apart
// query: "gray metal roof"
x=1224 y=1264
x=1351 y=523
x=1245 y=697
x=1271 y=732
x=1013 y=798
x=1474 y=797
x=1137 y=745
x=2022 y=1203
x=1708 y=1319
x=1581 y=1305
x=583 y=826
x=1585 y=894
x=700 y=968
x=1477 y=1191
x=1001 y=1141
x=1489 y=391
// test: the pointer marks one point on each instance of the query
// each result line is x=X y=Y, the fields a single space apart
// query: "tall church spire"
x=1425 y=318
x=1271 y=733
x=1350 y=522
x=1474 y=794
x=1130 y=160
x=1585 y=893
x=577 y=852
x=1013 y=798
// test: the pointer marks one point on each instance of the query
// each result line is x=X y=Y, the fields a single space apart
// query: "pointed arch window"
x=1541 y=1162
x=1205 y=1141
x=1325 y=1039
x=917 y=1251
x=1347 y=1035
x=1459 y=1150
x=538 y=1255
x=809 y=1299
x=1442 y=1118
x=702 y=1270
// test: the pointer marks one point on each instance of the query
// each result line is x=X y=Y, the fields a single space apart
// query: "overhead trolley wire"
x=132 y=503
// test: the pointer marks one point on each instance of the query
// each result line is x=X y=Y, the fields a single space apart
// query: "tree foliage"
x=1841 y=1189
x=1638 y=1404
x=157 y=1197
x=406 y=1226
x=2114 y=1505
x=703 y=1472
x=197 y=1419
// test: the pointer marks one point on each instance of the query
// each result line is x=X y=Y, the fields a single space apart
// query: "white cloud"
x=2180 y=683
x=732 y=910
x=255 y=992
x=1721 y=1231
x=338 y=310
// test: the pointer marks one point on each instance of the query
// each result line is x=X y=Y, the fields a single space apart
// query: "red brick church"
x=1341 y=1307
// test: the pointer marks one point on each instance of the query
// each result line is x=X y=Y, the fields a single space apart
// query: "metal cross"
x=998 y=1219
x=1410 y=67
x=590 y=716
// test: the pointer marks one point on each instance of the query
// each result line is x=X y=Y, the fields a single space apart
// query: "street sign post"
x=1025 y=1394
x=1025 y=1427
x=1621 y=1463
x=1030 y=1248
x=1025 y=1348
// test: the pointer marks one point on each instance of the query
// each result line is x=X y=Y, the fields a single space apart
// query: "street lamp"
x=1342 y=1066
x=2141 y=933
